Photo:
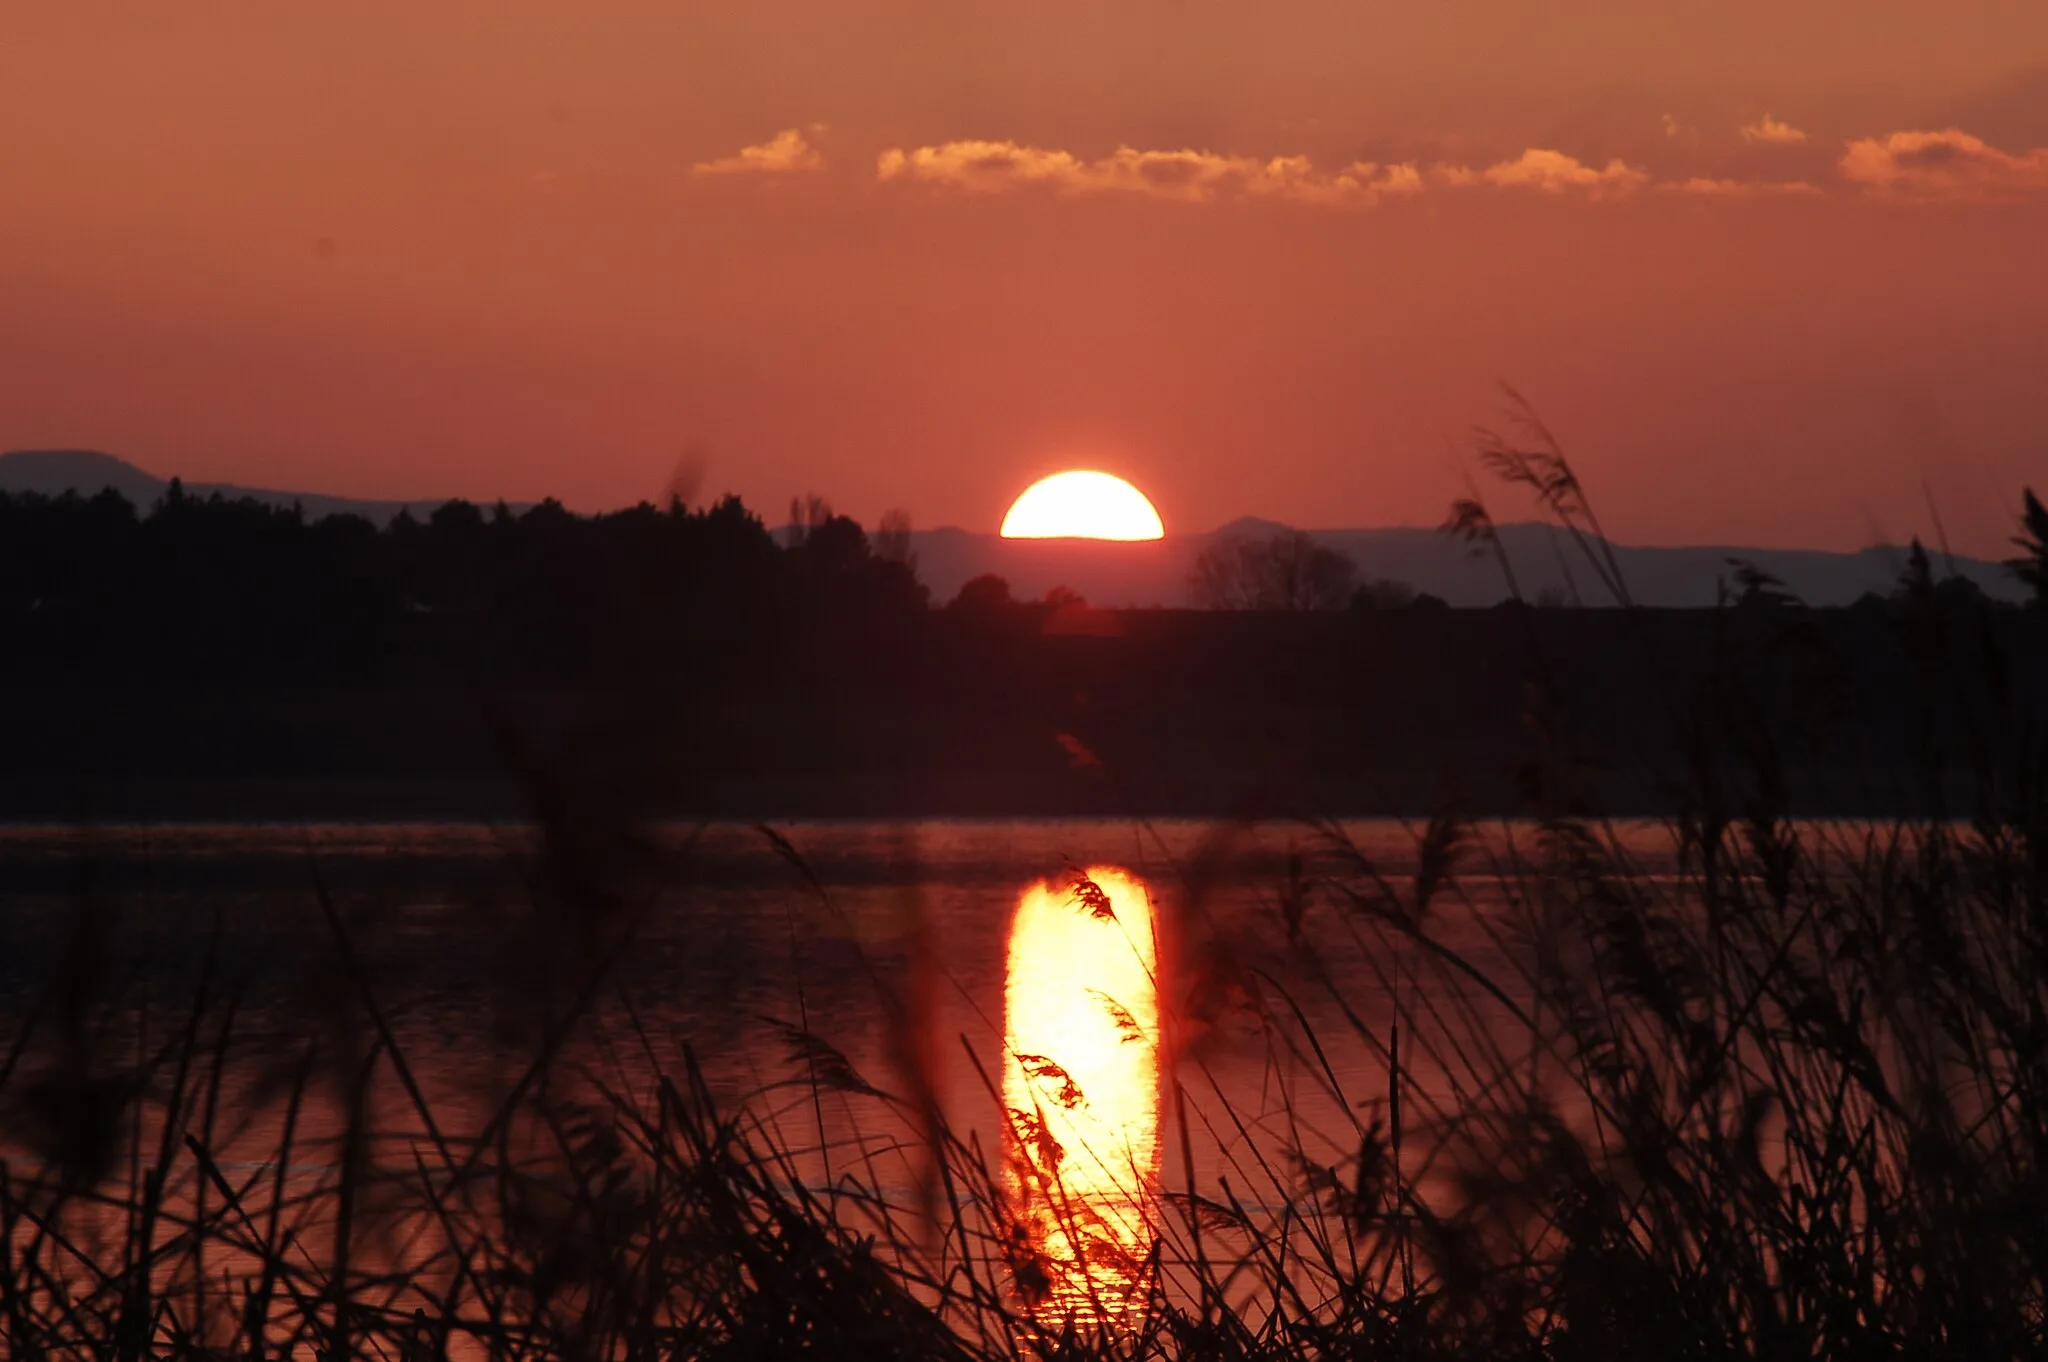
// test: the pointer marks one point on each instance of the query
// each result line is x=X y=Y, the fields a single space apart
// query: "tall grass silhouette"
x=1782 y=1093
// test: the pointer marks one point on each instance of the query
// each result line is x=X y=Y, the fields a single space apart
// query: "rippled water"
x=730 y=929
x=889 y=943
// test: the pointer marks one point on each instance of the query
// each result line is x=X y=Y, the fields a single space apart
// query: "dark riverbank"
x=1159 y=712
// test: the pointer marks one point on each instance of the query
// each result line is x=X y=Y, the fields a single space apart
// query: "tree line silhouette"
x=214 y=640
x=214 y=584
x=198 y=585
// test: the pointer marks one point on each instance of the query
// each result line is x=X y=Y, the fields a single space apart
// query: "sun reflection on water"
x=1081 y=1081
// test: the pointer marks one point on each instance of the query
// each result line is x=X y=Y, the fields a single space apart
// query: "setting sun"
x=1082 y=504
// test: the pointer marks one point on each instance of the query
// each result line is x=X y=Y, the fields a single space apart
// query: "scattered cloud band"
x=1187 y=175
x=1945 y=166
x=785 y=153
x=1552 y=172
x=1948 y=165
x=1772 y=130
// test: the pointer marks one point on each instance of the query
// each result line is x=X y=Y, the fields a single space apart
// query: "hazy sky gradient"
x=415 y=250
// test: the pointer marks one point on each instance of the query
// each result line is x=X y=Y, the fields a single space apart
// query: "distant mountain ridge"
x=1546 y=561
x=1547 y=564
x=53 y=472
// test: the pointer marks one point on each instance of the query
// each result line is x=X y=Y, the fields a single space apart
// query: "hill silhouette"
x=1679 y=577
x=53 y=472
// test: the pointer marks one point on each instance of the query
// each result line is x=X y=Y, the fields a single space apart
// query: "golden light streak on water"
x=1081 y=1081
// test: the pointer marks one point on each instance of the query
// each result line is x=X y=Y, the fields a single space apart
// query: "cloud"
x=1552 y=172
x=983 y=166
x=1701 y=186
x=781 y=154
x=1773 y=130
x=1950 y=165
x=1186 y=175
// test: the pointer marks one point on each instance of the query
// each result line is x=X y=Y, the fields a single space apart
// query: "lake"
x=1219 y=1020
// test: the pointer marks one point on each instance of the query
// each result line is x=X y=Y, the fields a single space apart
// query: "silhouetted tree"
x=237 y=587
x=1285 y=570
x=982 y=595
x=806 y=515
x=2032 y=566
x=1916 y=578
x=1759 y=590
x=838 y=571
x=1918 y=583
x=457 y=518
x=892 y=539
x=835 y=546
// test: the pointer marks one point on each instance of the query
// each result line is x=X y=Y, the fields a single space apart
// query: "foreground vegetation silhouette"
x=1787 y=1098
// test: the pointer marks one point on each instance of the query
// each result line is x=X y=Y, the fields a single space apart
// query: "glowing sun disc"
x=1082 y=504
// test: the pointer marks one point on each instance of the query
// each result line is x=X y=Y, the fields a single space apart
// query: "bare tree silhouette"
x=1284 y=570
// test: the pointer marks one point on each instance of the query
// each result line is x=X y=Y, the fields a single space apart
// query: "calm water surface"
x=1259 y=1003
x=461 y=926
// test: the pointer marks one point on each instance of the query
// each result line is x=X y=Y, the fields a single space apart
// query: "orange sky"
x=1773 y=270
